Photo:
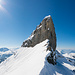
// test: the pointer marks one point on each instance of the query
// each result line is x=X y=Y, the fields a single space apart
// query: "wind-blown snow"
x=33 y=61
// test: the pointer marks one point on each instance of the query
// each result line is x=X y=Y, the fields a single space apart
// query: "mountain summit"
x=45 y=30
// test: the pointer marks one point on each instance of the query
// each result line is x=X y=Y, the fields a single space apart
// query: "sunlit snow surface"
x=32 y=61
x=47 y=16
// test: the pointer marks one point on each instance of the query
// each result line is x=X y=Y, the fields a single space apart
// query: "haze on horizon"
x=18 y=18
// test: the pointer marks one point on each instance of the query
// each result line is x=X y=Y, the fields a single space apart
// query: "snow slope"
x=32 y=61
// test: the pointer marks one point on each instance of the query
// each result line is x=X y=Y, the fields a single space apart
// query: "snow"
x=69 y=66
x=72 y=54
x=5 y=53
x=67 y=51
x=38 y=27
x=48 y=29
x=68 y=55
x=3 y=49
x=30 y=37
x=33 y=61
x=26 y=44
x=47 y=16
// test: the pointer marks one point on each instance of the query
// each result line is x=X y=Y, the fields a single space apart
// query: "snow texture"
x=47 y=16
x=33 y=61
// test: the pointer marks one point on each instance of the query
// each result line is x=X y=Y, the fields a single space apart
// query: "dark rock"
x=50 y=60
x=74 y=71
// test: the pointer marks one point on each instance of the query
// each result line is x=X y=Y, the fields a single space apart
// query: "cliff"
x=45 y=30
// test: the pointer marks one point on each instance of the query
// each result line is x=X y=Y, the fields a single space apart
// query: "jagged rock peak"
x=45 y=30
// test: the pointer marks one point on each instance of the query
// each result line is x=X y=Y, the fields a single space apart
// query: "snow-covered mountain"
x=69 y=55
x=3 y=49
x=67 y=51
x=38 y=55
x=5 y=53
x=33 y=61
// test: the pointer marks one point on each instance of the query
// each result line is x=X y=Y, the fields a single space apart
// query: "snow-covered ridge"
x=33 y=61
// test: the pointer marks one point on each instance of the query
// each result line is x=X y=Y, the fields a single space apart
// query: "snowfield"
x=33 y=61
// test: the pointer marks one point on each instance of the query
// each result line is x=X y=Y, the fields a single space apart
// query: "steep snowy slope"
x=33 y=61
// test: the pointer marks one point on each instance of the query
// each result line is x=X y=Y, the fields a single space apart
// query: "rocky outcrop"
x=42 y=32
x=45 y=30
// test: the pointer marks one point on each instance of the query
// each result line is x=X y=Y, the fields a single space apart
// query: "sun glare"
x=2 y=6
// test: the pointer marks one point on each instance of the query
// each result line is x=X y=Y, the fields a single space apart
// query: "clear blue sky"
x=18 y=18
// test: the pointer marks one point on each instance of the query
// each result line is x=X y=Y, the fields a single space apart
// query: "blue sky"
x=18 y=18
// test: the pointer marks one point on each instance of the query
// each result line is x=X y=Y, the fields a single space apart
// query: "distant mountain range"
x=33 y=61
x=67 y=51
x=69 y=54
x=3 y=49
x=5 y=53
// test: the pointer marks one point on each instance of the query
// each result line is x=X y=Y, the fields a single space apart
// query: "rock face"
x=45 y=30
x=42 y=32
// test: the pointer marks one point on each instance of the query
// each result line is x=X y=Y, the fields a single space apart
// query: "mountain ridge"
x=33 y=61
x=45 y=30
